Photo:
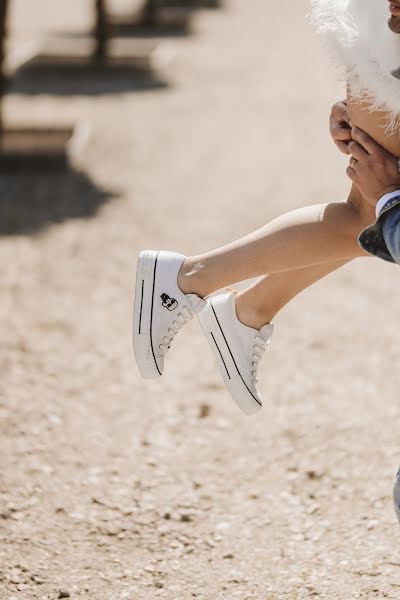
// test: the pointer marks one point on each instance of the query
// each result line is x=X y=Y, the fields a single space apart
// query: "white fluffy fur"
x=356 y=32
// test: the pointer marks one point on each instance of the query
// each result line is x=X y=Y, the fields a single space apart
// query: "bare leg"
x=259 y=303
x=305 y=237
x=306 y=244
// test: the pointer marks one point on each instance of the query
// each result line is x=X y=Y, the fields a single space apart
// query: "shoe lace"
x=259 y=347
x=182 y=318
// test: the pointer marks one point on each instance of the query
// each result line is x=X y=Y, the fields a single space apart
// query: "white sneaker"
x=237 y=349
x=161 y=309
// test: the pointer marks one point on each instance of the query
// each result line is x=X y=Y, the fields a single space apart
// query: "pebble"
x=64 y=594
x=185 y=518
x=163 y=529
x=37 y=579
x=205 y=410
x=313 y=474
x=313 y=508
x=150 y=568
x=21 y=568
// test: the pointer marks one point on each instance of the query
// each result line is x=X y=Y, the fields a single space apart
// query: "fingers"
x=364 y=140
x=372 y=169
x=353 y=162
x=341 y=136
x=351 y=174
x=339 y=112
x=357 y=151
x=340 y=132
x=339 y=127
x=343 y=147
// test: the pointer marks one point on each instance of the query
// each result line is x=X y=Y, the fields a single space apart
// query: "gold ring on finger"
x=353 y=162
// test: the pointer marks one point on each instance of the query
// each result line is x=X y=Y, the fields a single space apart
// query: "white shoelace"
x=258 y=350
x=181 y=319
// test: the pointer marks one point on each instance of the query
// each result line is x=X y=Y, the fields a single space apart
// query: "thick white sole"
x=227 y=367
x=142 y=315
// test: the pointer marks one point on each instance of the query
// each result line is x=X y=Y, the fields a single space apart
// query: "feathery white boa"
x=357 y=34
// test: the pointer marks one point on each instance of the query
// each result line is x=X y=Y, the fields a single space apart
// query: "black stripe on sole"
x=234 y=362
x=141 y=308
x=151 y=315
x=220 y=353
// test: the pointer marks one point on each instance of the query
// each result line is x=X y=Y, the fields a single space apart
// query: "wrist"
x=387 y=199
x=389 y=189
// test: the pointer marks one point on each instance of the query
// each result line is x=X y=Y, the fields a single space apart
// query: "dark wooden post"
x=102 y=33
x=148 y=16
x=3 y=30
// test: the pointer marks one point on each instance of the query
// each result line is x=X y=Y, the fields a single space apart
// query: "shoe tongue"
x=266 y=332
x=195 y=303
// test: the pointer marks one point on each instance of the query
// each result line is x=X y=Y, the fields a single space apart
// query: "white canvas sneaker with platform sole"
x=161 y=309
x=237 y=349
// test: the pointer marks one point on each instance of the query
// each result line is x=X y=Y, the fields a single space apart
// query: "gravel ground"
x=116 y=488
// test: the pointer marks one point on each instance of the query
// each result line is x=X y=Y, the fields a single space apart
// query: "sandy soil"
x=114 y=488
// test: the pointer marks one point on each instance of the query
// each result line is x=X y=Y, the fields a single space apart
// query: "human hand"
x=339 y=125
x=372 y=169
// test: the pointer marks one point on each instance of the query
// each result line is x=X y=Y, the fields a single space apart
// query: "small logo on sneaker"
x=168 y=302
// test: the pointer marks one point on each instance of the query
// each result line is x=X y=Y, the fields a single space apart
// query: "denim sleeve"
x=391 y=232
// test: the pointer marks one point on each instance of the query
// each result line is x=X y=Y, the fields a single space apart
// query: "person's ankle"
x=249 y=315
x=188 y=278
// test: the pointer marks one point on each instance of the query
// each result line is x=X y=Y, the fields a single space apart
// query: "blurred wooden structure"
x=27 y=146
x=160 y=17
x=3 y=20
x=99 y=50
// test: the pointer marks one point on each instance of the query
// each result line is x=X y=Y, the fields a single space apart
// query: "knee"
x=391 y=233
x=396 y=495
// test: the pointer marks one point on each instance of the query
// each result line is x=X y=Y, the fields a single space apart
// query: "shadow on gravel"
x=61 y=81
x=30 y=202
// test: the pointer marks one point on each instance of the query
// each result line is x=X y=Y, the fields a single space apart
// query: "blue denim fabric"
x=391 y=233
x=382 y=239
